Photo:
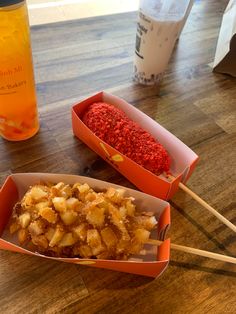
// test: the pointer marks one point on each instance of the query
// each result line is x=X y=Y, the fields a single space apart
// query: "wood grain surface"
x=76 y=59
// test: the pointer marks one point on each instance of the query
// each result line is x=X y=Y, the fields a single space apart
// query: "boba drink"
x=158 y=28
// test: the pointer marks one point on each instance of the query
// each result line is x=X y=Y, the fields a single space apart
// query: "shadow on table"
x=216 y=271
x=204 y=231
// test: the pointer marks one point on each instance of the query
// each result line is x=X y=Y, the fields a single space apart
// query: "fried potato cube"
x=49 y=214
x=116 y=219
x=93 y=238
x=104 y=255
x=83 y=188
x=49 y=234
x=72 y=203
x=95 y=216
x=141 y=235
x=68 y=217
x=14 y=226
x=37 y=193
x=42 y=205
x=80 y=231
x=98 y=250
x=36 y=227
x=27 y=201
x=135 y=247
x=67 y=240
x=130 y=207
x=22 y=235
x=59 y=204
x=115 y=195
x=109 y=237
x=24 y=219
x=76 y=185
x=123 y=212
x=57 y=236
x=91 y=196
x=100 y=201
x=56 y=189
x=66 y=191
x=146 y=222
x=110 y=192
x=40 y=241
x=122 y=246
x=59 y=186
x=83 y=251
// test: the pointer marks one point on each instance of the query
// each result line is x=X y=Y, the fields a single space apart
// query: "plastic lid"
x=5 y=3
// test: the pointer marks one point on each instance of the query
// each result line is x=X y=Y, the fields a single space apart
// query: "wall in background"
x=50 y=11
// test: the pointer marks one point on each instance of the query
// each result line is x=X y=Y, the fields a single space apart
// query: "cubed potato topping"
x=36 y=227
x=109 y=237
x=123 y=211
x=66 y=191
x=64 y=220
x=72 y=203
x=91 y=196
x=141 y=235
x=59 y=186
x=37 y=193
x=14 y=226
x=22 y=235
x=57 y=236
x=59 y=204
x=24 y=219
x=67 y=240
x=40 y=241
x=68 y=217
x=41 y=205
x=49 y=214
x=76 y=185
x=83 y=251
x=27 y=201
x=83 y=188
x=116 y=195
x=93 y=238
x=80 y=231
x=130 y=208
x=98 y=249
x=95 y=216
x=146 y=222
x=49 y=234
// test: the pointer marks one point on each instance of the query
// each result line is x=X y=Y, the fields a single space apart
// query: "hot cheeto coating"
x=112 y=126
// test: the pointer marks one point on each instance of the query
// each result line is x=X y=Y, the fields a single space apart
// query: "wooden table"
x=78 y=58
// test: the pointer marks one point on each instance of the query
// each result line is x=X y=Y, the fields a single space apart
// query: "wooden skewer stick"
x=206 y=205
x=186 y=249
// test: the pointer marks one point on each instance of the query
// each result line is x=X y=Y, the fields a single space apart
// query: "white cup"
x=159 y=25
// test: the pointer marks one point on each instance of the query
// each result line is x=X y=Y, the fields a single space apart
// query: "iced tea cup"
x=18 y=105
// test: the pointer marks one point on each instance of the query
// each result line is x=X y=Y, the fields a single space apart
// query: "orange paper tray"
x=152 y=264
x=183 y=159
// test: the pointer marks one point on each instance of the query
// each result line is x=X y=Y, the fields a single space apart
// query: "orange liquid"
x=18 y=105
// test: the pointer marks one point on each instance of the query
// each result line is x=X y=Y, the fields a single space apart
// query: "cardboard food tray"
x=183 y=159
x=152 y=264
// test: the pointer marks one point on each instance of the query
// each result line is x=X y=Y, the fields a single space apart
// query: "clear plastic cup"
x=18 y=105
x=159 y=25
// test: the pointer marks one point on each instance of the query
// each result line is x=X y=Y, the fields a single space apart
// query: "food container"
x=151 y=264
x=183 y=159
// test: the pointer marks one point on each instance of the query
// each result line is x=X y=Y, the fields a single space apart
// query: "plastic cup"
x=18 y=105
x=159 y=25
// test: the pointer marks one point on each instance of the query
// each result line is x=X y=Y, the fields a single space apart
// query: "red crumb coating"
x=112 y=126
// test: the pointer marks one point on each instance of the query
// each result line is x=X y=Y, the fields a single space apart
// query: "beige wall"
x=49 y=11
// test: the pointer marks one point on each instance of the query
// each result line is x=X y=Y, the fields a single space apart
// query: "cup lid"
x=5 y=3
